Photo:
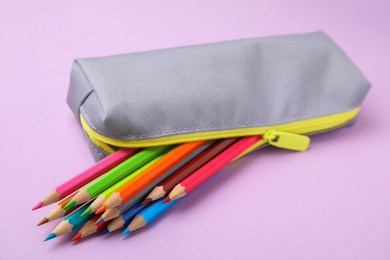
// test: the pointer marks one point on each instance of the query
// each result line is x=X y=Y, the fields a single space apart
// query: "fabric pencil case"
x=283 y=88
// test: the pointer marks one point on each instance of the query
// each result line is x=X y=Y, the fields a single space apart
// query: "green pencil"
x=116 y=174
x=105 y=194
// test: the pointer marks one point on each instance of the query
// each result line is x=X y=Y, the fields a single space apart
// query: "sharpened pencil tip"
x=70 y=204
x=101 y=209
x=39 y=205
x=76 y=237
x=146 y=201
x=104 y=231
x=43 y=221
x=167 y=199
x=50 y=236
x=99 y=221
x=87 y=211
x=126 y=231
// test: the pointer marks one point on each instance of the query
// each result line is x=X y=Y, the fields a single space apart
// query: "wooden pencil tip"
x=39 y=205
x=76 y=237
x=70 y=204
x=50 y=236
x=43 y=221
x=177 y=192
x=100 y=220
x=157 y=193
x=137 y=223
x=146 y=201
x=101 y=209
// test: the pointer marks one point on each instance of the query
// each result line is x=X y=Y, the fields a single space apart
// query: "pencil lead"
x=104 y=231
x=70 y=204
x=101 y=209
x=76 y=237
x=167 y=199
x=87 y=211
x=43 y=221
x=50 y=236
x=126 y=231
x=39 y=205
x=146 y=201
x=100 y=220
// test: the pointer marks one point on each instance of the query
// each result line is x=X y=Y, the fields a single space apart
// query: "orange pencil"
x=136 y=184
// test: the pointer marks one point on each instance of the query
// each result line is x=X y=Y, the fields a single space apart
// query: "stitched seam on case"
x=190 y=130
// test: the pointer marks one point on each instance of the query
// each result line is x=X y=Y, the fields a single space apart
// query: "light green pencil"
x=105 y=194
x=116 y=174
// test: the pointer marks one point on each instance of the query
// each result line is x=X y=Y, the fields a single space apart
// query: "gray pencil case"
x=282 y=88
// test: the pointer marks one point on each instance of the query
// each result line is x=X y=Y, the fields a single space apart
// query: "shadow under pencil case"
x=283 y=88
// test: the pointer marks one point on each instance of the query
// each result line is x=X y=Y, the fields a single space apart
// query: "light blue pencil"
x=123 y=219
x=148 y=214
x=71 y=222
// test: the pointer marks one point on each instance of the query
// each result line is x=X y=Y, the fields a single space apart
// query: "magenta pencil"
x=85 y=177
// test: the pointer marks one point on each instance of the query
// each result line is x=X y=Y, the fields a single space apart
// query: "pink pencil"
x=85 y=177
x=210 y=168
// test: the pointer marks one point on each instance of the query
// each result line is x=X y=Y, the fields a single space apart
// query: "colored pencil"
x=147 y=215
x=85 y=177
x=114 y=212
x=114 y=175
x=89 y=228
x=167 y=184
x=128 y=190
x=210 y=168
x=102 y=197
x=58 y=211
x=70 y=223
x=123 y=219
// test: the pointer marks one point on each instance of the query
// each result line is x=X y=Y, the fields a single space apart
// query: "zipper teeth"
x=305 y=126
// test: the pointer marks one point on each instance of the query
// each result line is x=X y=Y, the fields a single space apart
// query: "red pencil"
x=210 y=168
x=166 y=186
x=89 y=228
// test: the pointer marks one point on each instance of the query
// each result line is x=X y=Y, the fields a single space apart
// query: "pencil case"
x=283 y=88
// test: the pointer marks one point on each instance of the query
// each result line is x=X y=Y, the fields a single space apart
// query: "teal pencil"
x=147 y=215
x=70 y=223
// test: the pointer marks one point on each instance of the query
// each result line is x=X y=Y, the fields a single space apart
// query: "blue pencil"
x=148 y=214
x=123 y=219
x=71 y=222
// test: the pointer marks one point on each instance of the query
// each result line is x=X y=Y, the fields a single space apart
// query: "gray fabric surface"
x=219 y=86
x=96 y=152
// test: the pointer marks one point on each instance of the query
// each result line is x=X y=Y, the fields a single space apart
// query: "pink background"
x=331 y=202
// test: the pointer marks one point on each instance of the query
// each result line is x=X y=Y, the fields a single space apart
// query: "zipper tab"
x=286 y=140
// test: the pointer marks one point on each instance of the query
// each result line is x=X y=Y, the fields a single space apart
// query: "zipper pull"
x=286 y=140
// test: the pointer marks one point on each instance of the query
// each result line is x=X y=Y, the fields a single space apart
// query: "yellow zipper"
x=286 y=135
